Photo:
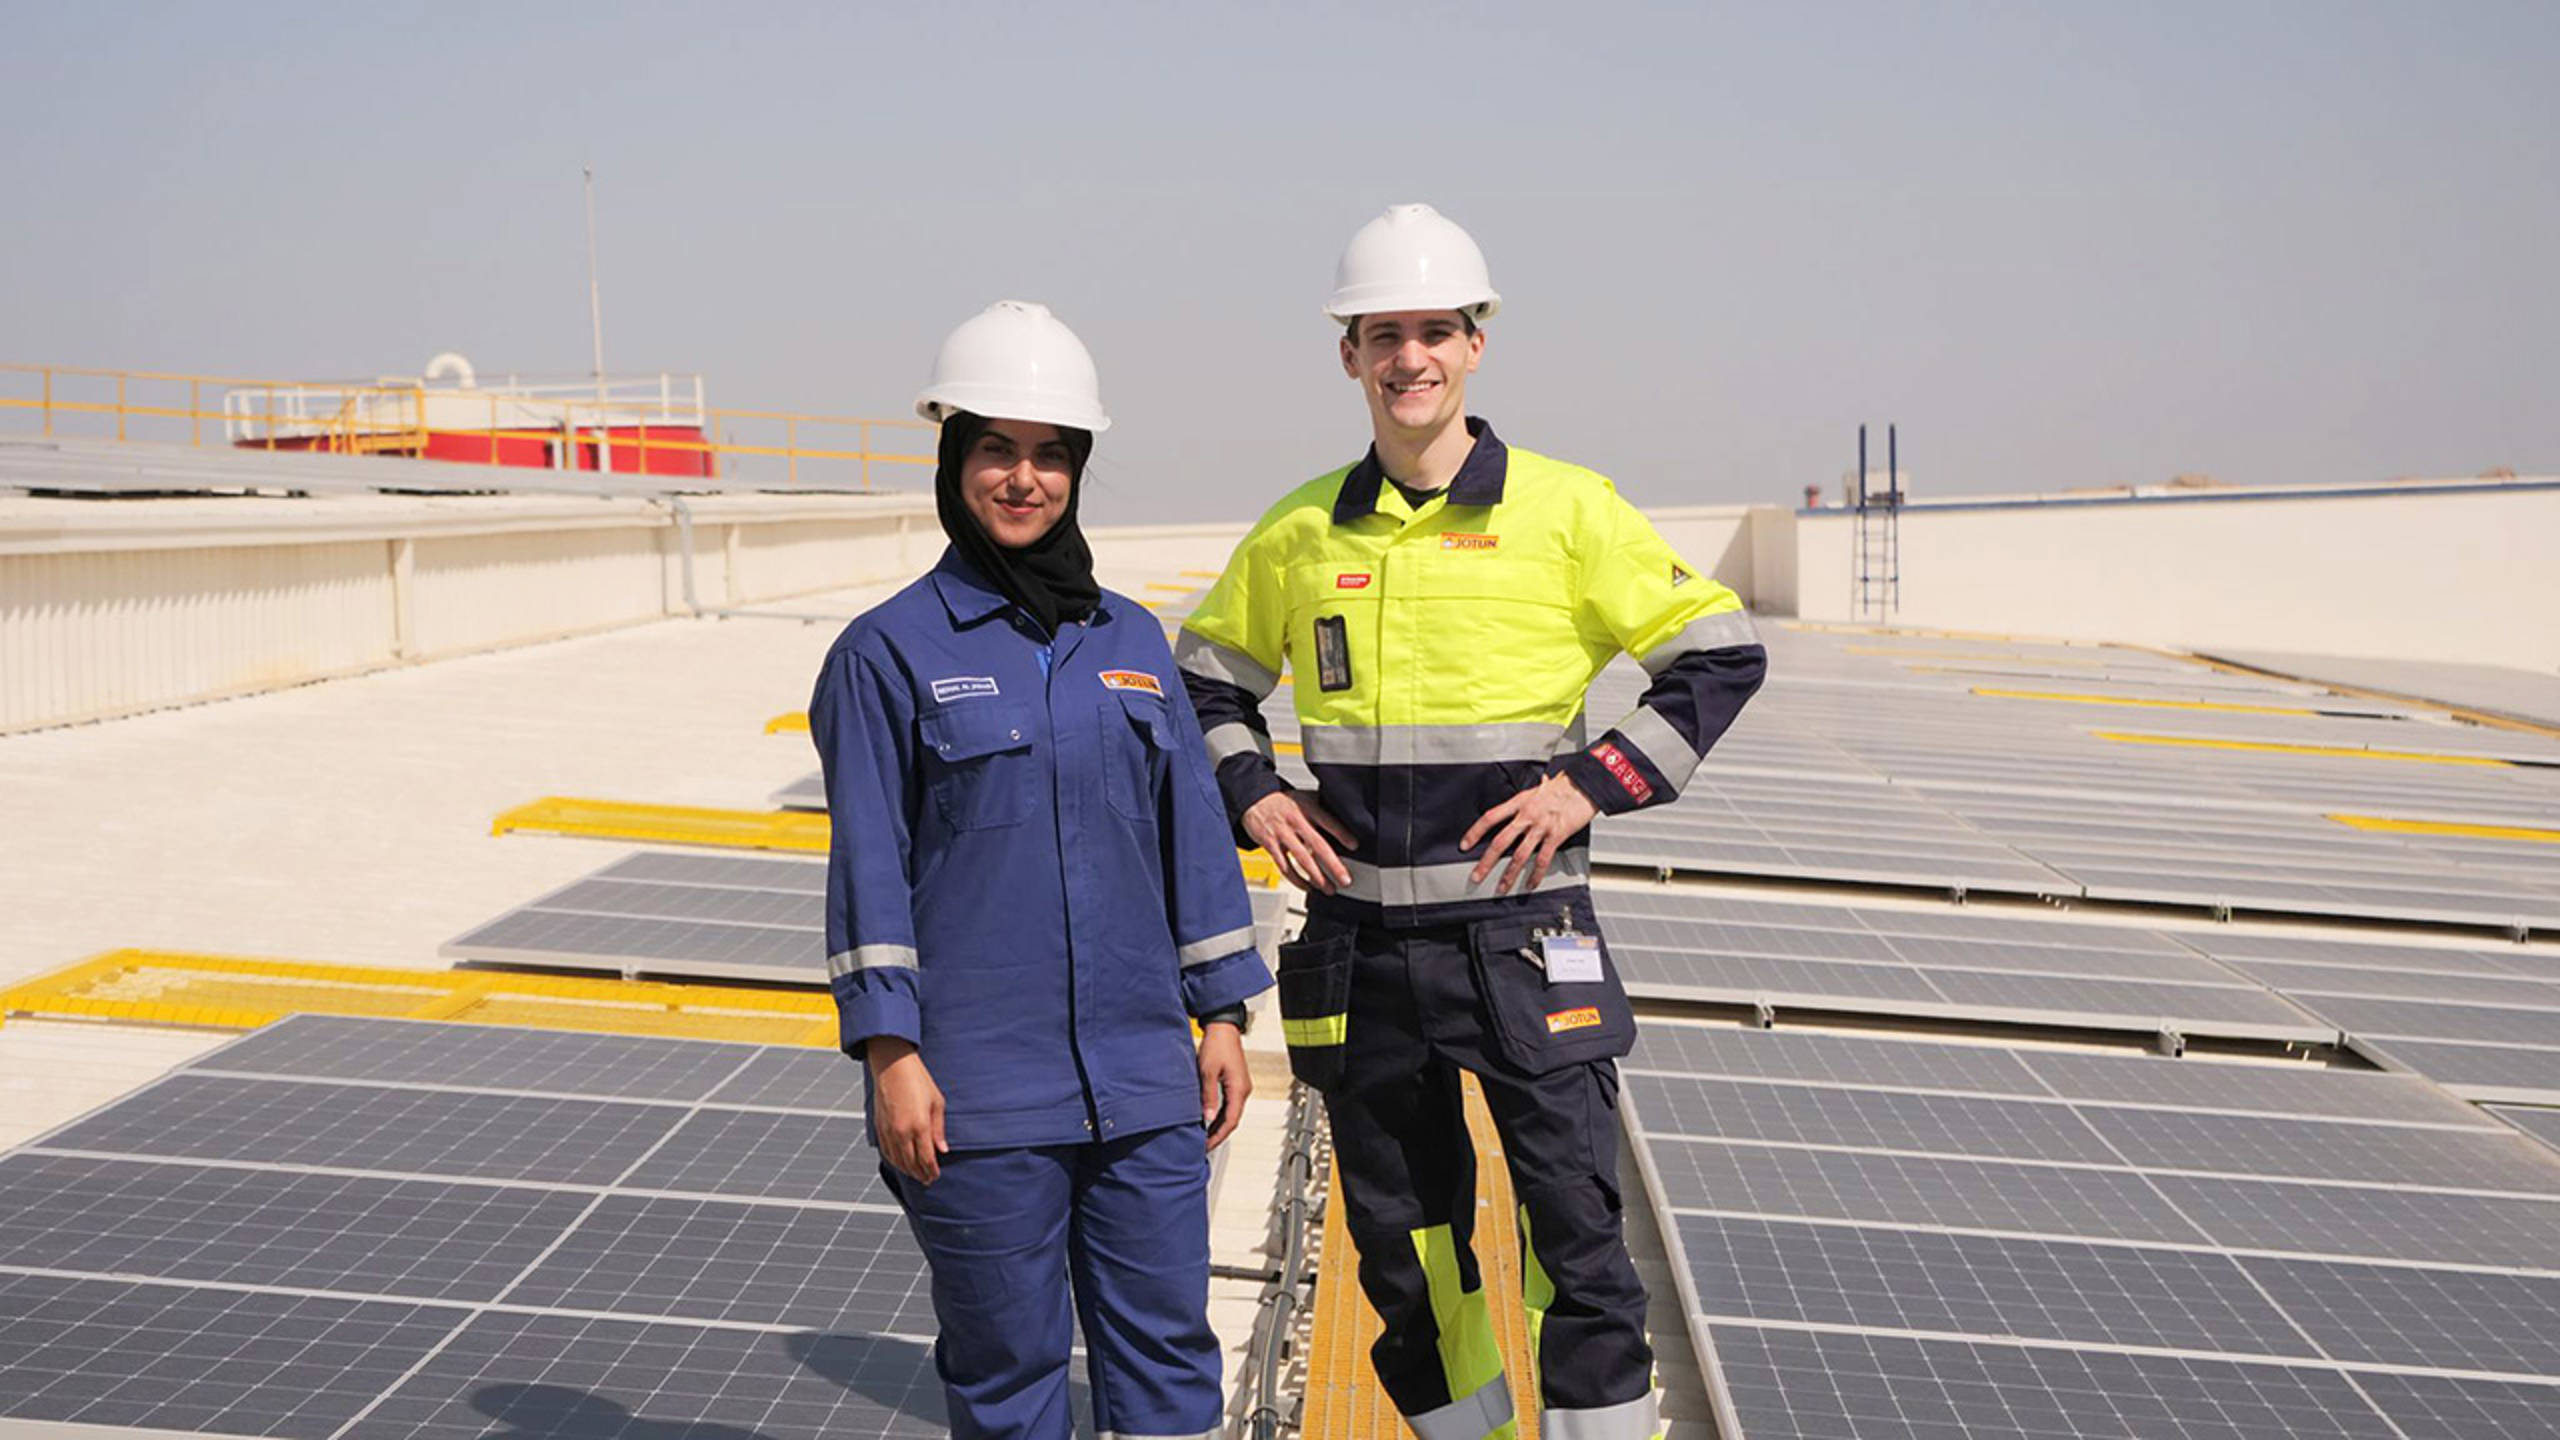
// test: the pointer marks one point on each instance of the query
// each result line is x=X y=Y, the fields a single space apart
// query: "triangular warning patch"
x=1679 y=577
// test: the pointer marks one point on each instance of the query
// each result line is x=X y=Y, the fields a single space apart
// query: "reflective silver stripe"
x=1217 y=947
x=1444 y=884
x=1237 y=738
x=1654 y=738
x=1210 y=1434
x=1637 y=1419
x=871 y=957
x=1712 y=632
x=1212 y=661
x=1471 y=1418
x=1427 y=744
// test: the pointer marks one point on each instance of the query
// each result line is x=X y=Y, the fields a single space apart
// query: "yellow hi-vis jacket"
x=1439 y=657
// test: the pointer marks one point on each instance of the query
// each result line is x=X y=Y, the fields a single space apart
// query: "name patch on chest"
x=1134 y=680
x=958 y=687
x=1454 y=540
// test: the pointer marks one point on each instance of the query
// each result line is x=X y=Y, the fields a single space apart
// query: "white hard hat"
x=1015 y=361
x=1411 y=258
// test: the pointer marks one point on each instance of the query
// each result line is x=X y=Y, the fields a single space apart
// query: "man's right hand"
x=906 y=1108
x=1292 y=828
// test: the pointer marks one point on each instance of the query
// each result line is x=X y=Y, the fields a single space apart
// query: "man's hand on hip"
x=1532 y=825
x=1292 y=828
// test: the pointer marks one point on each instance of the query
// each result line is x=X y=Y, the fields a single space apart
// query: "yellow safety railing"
x=803 y=450
x=146 y=405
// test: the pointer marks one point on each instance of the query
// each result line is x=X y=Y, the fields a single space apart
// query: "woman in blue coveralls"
x=1032 y=891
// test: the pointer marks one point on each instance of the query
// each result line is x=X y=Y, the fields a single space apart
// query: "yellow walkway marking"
x=804 y=830
x=2390 y=826
x=669 y=824
x=2218 y=705
x=232 y=992
x=1162 y=588
x=1997 y=657
x=796 y=721
x=1199 y=574
x=2348 y=752
x=1344 y=1400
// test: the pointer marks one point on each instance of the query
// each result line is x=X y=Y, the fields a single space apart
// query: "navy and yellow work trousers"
x=1383 y=1021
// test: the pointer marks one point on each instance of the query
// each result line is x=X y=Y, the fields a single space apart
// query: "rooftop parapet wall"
x=113 y=607
x=2442 y=571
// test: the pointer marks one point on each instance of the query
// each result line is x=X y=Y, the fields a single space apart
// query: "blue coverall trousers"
x=1127 y=1222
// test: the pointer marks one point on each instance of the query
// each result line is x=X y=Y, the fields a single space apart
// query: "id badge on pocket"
x=1570 y=959
x=1333 y=653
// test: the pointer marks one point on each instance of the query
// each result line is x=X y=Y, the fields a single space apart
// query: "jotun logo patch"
x=1457 y=541
x=1134 y=680
x=1580 y=1018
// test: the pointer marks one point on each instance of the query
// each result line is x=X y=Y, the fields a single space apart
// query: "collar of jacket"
x=1478 y=481
x=970 y=599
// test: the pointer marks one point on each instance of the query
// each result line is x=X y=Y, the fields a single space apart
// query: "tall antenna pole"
x=595 y=297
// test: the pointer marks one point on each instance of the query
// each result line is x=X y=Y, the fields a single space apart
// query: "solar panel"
x=2478 y=1072
x=2543 y=1124
x=1914 y=1190
x=485 y=1057
x=2435 y=1227
x=1864 y=1119
x=392 y=1131
x=760 y=1264
x=2404 y=1315
x=773 y=1156
x=1840 y=1059
x=180 y=1357
x=1681 y=944
x=1814 y=1385
x=2480 y=1159
x=2484 y=1024
x=386 y=1228
x=643 y=945
x=1876 y=1278
x=562 y=1377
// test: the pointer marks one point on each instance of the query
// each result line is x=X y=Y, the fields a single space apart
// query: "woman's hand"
x=906 y=1108
x=1224 y=1080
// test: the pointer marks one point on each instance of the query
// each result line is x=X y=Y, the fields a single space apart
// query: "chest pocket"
x=982 y=772
x=1137 y=741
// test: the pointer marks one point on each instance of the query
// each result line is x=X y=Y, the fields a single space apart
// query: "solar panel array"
x=380 y=1228
x=2483 y=1022
x=1673 y=943
x=696 y=915
x=1886 y=1237
x=2104 y=774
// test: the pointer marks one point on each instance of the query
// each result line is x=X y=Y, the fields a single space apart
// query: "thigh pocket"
x=982 y=770
x=1315 y=1006
x=1542 y=1024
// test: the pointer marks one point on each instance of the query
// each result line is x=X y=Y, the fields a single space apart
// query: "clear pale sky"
x=2068 y=244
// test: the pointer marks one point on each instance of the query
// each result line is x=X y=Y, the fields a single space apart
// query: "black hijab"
x=1052 y=577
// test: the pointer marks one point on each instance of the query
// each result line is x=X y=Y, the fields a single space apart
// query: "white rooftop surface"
x=348 y=821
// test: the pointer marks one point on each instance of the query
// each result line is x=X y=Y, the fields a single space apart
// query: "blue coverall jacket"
x=1031 y=874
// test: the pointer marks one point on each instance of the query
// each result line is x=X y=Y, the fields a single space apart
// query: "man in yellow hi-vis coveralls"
x=1443 y=605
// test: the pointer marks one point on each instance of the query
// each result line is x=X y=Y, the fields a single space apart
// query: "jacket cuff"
x=1243 y=782
x=876 y=1010
x=1222 y=983
x=1611 y=789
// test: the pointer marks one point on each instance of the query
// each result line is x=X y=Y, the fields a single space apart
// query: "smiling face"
x=1015 y=480
x=1412 y=366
